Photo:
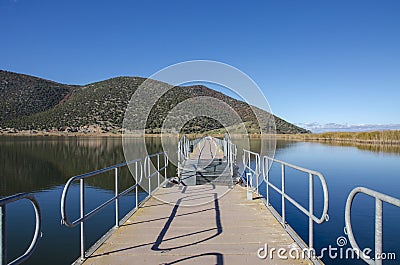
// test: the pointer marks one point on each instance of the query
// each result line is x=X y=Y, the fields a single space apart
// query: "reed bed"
x=372 y=137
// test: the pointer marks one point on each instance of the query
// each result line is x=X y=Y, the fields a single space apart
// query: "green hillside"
x=23 y=95
x=33 y=103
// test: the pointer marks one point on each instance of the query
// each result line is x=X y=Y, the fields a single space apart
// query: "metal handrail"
x=229 y=149
x=147 y=167
x=36 y=235
x=247 y=155
x=255 y=170
x=85 y=216
x=87 y=175
x=194 y=142
x=183 y=152
x=284 y=196
x=231 y=155
x=379 y=198
x=183 y=147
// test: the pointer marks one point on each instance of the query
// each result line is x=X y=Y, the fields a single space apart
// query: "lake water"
x=42 y=165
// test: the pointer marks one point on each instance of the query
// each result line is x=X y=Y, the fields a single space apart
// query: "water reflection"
x=345 y=167
x=30 y=164
x=377 y=148
x=43 y=165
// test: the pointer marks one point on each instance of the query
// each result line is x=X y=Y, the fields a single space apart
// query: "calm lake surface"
x=42 y=165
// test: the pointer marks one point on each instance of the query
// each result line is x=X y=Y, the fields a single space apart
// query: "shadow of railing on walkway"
x=160 y=239
x=219 y=256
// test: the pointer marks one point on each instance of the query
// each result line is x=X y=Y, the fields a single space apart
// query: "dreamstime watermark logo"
x=332 y=252
x=341 y=241
x=161 y=106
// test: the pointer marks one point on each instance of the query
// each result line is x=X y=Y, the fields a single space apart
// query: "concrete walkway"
x=206 y=164
x=207 y=149
x=200 y=225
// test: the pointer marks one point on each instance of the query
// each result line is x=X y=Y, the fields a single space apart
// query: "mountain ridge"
x=32 y=103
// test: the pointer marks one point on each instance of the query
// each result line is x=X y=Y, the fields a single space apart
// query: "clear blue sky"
x=316 y=61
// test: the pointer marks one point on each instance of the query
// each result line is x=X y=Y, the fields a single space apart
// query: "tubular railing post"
x=283 y=196
x=249 y=191
x=86 y=215
x=116 y=200
x=230 y=159
x=226 y=151
x=179 y=159
x=165 y=164
x=3 y=246
x=158 y=170
x=378 y=230
x=311 y=210
x=186 y=149
x=257 y=171
x=231 y=155
x=3 y=237
x=267 y=177
x=136 y=188
x=225 y=148
x=149 y=173
x=82 y=215
x=379 y=199
x=248 y=162
x=264 y=169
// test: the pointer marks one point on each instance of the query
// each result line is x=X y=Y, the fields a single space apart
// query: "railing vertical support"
x=230 y=158
x=148 y=172
x=378 y=230
x=165 y=165
x=3 y=238
x=379 y=199
x=258 y=172
x=85 y=216
x=266 y=164
x=311 y=211
x=249 y=165
x=3 y=245
x=116 y=200
x=249 y=162
x=136 y=188
x=249 y=191
x=158 y=171
x=266 y=171
x=82 y=215
x=179 y=159
x=283 y=196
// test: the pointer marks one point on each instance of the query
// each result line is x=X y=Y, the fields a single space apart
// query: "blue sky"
x=316 y=61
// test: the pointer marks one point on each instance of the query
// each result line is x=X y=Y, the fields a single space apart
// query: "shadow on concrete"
x=160 y=239
x=219 y=256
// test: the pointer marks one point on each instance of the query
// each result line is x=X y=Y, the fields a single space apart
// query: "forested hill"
x=31 y=103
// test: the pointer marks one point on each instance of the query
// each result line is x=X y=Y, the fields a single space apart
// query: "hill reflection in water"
x=30 y=164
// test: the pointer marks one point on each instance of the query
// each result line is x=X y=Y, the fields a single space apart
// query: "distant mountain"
x=33 y=103
x=339 y=127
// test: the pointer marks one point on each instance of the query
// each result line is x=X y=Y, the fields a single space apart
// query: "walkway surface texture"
x=204 y=224
x=207 y=149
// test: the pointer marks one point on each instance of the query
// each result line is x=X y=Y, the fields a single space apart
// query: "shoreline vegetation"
x=390 y=137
